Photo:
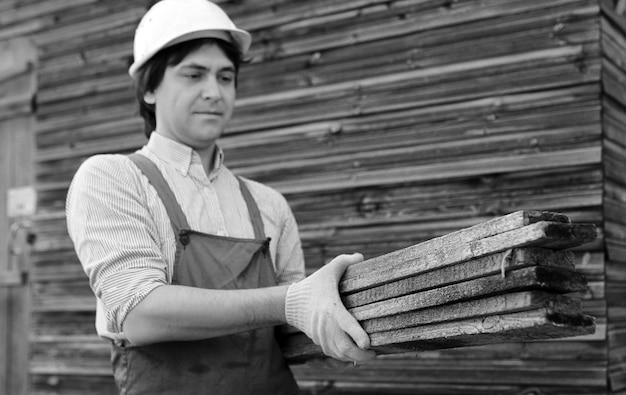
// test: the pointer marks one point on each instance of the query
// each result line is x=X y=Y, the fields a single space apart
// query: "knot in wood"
x=368 y=205
x=335 y=128
x=314 y=59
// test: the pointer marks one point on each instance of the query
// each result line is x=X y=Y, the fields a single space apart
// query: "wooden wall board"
x=356 y=387
x=423 y=49
x=414 y=127
x=397 y=20
x=612 y=79
x=475 y=148
x=441 y=171
x=73 y=385
x=69 y=295
x=574 y=349
x=70 y=353
x=446 y=200
x=514 y=371
x=613 y=43
x=436 y=136
x=613 y=38
x=79 y=22
x=616 y=250
x=614 y=164
x=616 y=194
x=612 y=122
x=17 y=149
x=5 y=294
x=58 y=323
x=365 y=96
x=19 y=12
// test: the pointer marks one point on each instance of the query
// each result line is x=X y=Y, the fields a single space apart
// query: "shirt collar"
x=180 y=156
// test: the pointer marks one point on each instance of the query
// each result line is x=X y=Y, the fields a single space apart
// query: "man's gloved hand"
x=313 y=305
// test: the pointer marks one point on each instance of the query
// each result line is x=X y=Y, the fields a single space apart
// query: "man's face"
x=196 y=97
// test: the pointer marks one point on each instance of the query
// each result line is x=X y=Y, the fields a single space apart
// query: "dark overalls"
x=243 y=363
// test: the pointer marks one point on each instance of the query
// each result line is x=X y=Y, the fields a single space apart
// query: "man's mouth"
x=209 y=113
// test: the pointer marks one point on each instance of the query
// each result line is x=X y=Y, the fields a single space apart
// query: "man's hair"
x=150 y=75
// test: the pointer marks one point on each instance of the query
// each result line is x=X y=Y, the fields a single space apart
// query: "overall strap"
x=253 y=210
x=152 y=172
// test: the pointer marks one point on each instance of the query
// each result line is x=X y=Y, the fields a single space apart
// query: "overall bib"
x=244 y=363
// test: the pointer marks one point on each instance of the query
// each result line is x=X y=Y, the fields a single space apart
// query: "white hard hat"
x=170 y=22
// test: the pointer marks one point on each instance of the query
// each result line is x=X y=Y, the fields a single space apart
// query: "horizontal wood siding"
x=613 y=39
x=385 y=124
x=18 y=87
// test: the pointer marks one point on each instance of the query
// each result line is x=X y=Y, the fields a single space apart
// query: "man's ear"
x=149 y=97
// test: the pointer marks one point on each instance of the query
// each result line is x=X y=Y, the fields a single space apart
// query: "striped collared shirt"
x=123 y=236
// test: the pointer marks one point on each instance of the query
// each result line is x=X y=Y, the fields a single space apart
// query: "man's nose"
x=211 y=89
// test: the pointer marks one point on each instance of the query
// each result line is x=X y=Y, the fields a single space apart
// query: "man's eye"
x=227 y=78
x=193 y=76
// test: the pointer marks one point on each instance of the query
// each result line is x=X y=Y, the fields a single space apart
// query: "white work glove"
x=313 y=305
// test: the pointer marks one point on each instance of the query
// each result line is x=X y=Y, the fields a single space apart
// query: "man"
x=193 y=267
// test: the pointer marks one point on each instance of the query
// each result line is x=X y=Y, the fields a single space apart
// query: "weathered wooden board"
x=532 y=325
x=533 y=277
x=540 y=324
x=492 y=236
x=18 y=87
x=490 y=305
x=475 y=376
x=502 y=263
x=614 y=41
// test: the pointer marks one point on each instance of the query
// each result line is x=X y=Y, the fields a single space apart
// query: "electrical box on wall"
x=21 y=201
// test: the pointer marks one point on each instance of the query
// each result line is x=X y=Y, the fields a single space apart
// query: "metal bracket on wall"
x=20 y=240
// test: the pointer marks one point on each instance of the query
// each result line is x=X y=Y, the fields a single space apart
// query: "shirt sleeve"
x=290 y=265
x=114 y=235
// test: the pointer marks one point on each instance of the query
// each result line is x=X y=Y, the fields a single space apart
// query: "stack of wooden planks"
x=503 y=280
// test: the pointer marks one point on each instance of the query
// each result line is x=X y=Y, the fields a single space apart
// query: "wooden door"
x=18 y=84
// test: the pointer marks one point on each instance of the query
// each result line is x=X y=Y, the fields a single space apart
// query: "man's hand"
x=313 y=305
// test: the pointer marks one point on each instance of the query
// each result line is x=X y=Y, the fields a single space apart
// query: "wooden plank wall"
x=18 y=87
x=613 y=41
x=385 y=123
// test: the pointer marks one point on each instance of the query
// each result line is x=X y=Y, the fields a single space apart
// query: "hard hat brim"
x=239 y=37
